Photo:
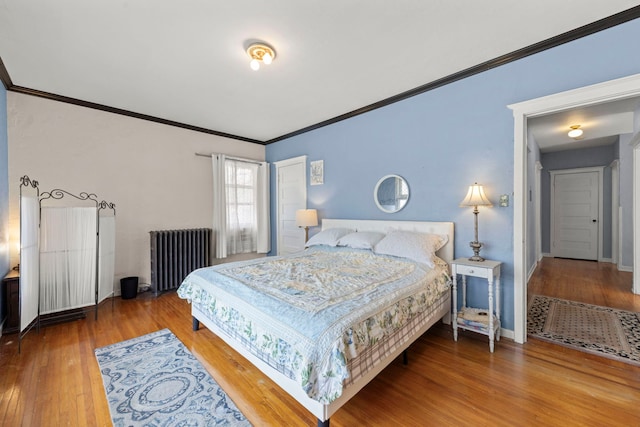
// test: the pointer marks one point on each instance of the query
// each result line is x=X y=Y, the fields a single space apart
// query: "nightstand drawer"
x=468 y=270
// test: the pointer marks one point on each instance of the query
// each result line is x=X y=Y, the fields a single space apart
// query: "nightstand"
x=484 y=321
x=11 y=289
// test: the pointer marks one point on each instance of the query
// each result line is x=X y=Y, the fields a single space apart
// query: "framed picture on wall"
x=317 y=172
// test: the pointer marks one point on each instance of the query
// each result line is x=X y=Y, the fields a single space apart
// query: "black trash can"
x=129 y=287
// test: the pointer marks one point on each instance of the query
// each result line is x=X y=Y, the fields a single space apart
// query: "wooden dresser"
x=11 y=291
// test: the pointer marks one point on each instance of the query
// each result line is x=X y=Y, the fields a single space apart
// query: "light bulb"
x=255 y=65
x=575 y=132
x=267 y=58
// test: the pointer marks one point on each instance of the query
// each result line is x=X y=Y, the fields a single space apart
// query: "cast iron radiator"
x=176 y=253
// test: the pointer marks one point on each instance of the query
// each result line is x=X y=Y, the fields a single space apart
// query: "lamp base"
x=476 y=251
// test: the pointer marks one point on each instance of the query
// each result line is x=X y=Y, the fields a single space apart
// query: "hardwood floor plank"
x=56 y=379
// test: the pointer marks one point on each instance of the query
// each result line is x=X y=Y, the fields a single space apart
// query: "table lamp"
x=475 y=197
x=306 y=218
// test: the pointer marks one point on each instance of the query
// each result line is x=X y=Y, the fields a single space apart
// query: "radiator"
x=176 y=253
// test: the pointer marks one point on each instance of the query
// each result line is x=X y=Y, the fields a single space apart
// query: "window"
x=241 y=187
x=240 y=206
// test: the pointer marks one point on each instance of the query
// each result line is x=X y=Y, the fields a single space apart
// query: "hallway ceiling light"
x=575 y=132
x=260 y=53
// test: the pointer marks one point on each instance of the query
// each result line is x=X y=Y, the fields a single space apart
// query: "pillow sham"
x=420 y=247
x=361 y=239
x=328 y=237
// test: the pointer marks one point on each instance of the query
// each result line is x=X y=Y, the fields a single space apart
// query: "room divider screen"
x=67 y=254
x=29 y=255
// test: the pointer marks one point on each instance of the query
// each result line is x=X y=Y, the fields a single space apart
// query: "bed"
x=340 y=344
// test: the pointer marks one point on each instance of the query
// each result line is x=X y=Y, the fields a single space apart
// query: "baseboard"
x=507 y=333
x=531 y=271
x=625 y=268
x=609 y=260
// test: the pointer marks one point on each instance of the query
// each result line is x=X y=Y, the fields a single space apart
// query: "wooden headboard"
x=446 y=252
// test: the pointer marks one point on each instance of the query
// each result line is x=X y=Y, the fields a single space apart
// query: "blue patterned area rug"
x=153 y=380
x=594 y=329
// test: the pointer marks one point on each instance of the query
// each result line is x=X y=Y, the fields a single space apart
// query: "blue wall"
x=446 y=139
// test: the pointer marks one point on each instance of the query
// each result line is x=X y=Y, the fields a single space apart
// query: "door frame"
x=538 y=216
x=600 y=171
x=612 y=90
x=303 y=187
x=635 y=143
x=615 y=211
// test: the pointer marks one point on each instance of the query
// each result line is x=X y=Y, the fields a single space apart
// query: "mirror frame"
x=375 y=194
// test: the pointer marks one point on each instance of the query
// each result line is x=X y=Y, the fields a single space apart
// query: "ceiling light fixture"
x=575 y=132
x=260 y=52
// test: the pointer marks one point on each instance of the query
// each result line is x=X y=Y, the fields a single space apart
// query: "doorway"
x=604 y=92
x=291 y=195
x=576 y=213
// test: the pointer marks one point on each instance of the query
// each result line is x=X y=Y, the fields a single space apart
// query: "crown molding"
x=8 y=84
x=4 y=76
x=586 y=30
x=114 y=110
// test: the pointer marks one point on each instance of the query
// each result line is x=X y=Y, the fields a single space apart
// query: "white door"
x=575 y=214
x=291 y=193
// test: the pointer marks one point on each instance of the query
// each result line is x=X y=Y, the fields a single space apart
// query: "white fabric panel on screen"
x=107 y=256
x=29 y=259
x=67 y=258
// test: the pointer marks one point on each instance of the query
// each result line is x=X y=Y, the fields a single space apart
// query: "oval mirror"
x=391 y=193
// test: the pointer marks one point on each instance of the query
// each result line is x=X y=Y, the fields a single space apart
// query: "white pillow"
x=420 y=247
x=328 y=237
x=361 y=239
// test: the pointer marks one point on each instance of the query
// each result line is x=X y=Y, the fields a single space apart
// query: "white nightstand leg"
x=498 y=305
x=454 y=301
x=491 y=330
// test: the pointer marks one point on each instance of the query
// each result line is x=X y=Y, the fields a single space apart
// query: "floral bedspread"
x=308 y=314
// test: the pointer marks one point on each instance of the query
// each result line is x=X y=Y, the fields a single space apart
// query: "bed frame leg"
x=323 y=423
x=196 y=323
x=405 y=358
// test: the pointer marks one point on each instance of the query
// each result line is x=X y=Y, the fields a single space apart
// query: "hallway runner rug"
x=153 y=380
x=599 y=330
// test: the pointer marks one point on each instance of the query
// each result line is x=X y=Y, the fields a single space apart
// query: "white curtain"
x=241 y=206
x=106 y=256
x=67 y=258
x=264 y=223
x=29 y=259
x=219 y=206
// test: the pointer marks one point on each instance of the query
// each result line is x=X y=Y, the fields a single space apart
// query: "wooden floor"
x=590 y=282
x=55 y=381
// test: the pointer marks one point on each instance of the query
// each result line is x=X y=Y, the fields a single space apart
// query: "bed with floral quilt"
x=323 y=322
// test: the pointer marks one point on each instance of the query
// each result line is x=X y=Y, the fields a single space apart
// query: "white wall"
x=626 y=202
x=533 y=157
x=148 y=170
